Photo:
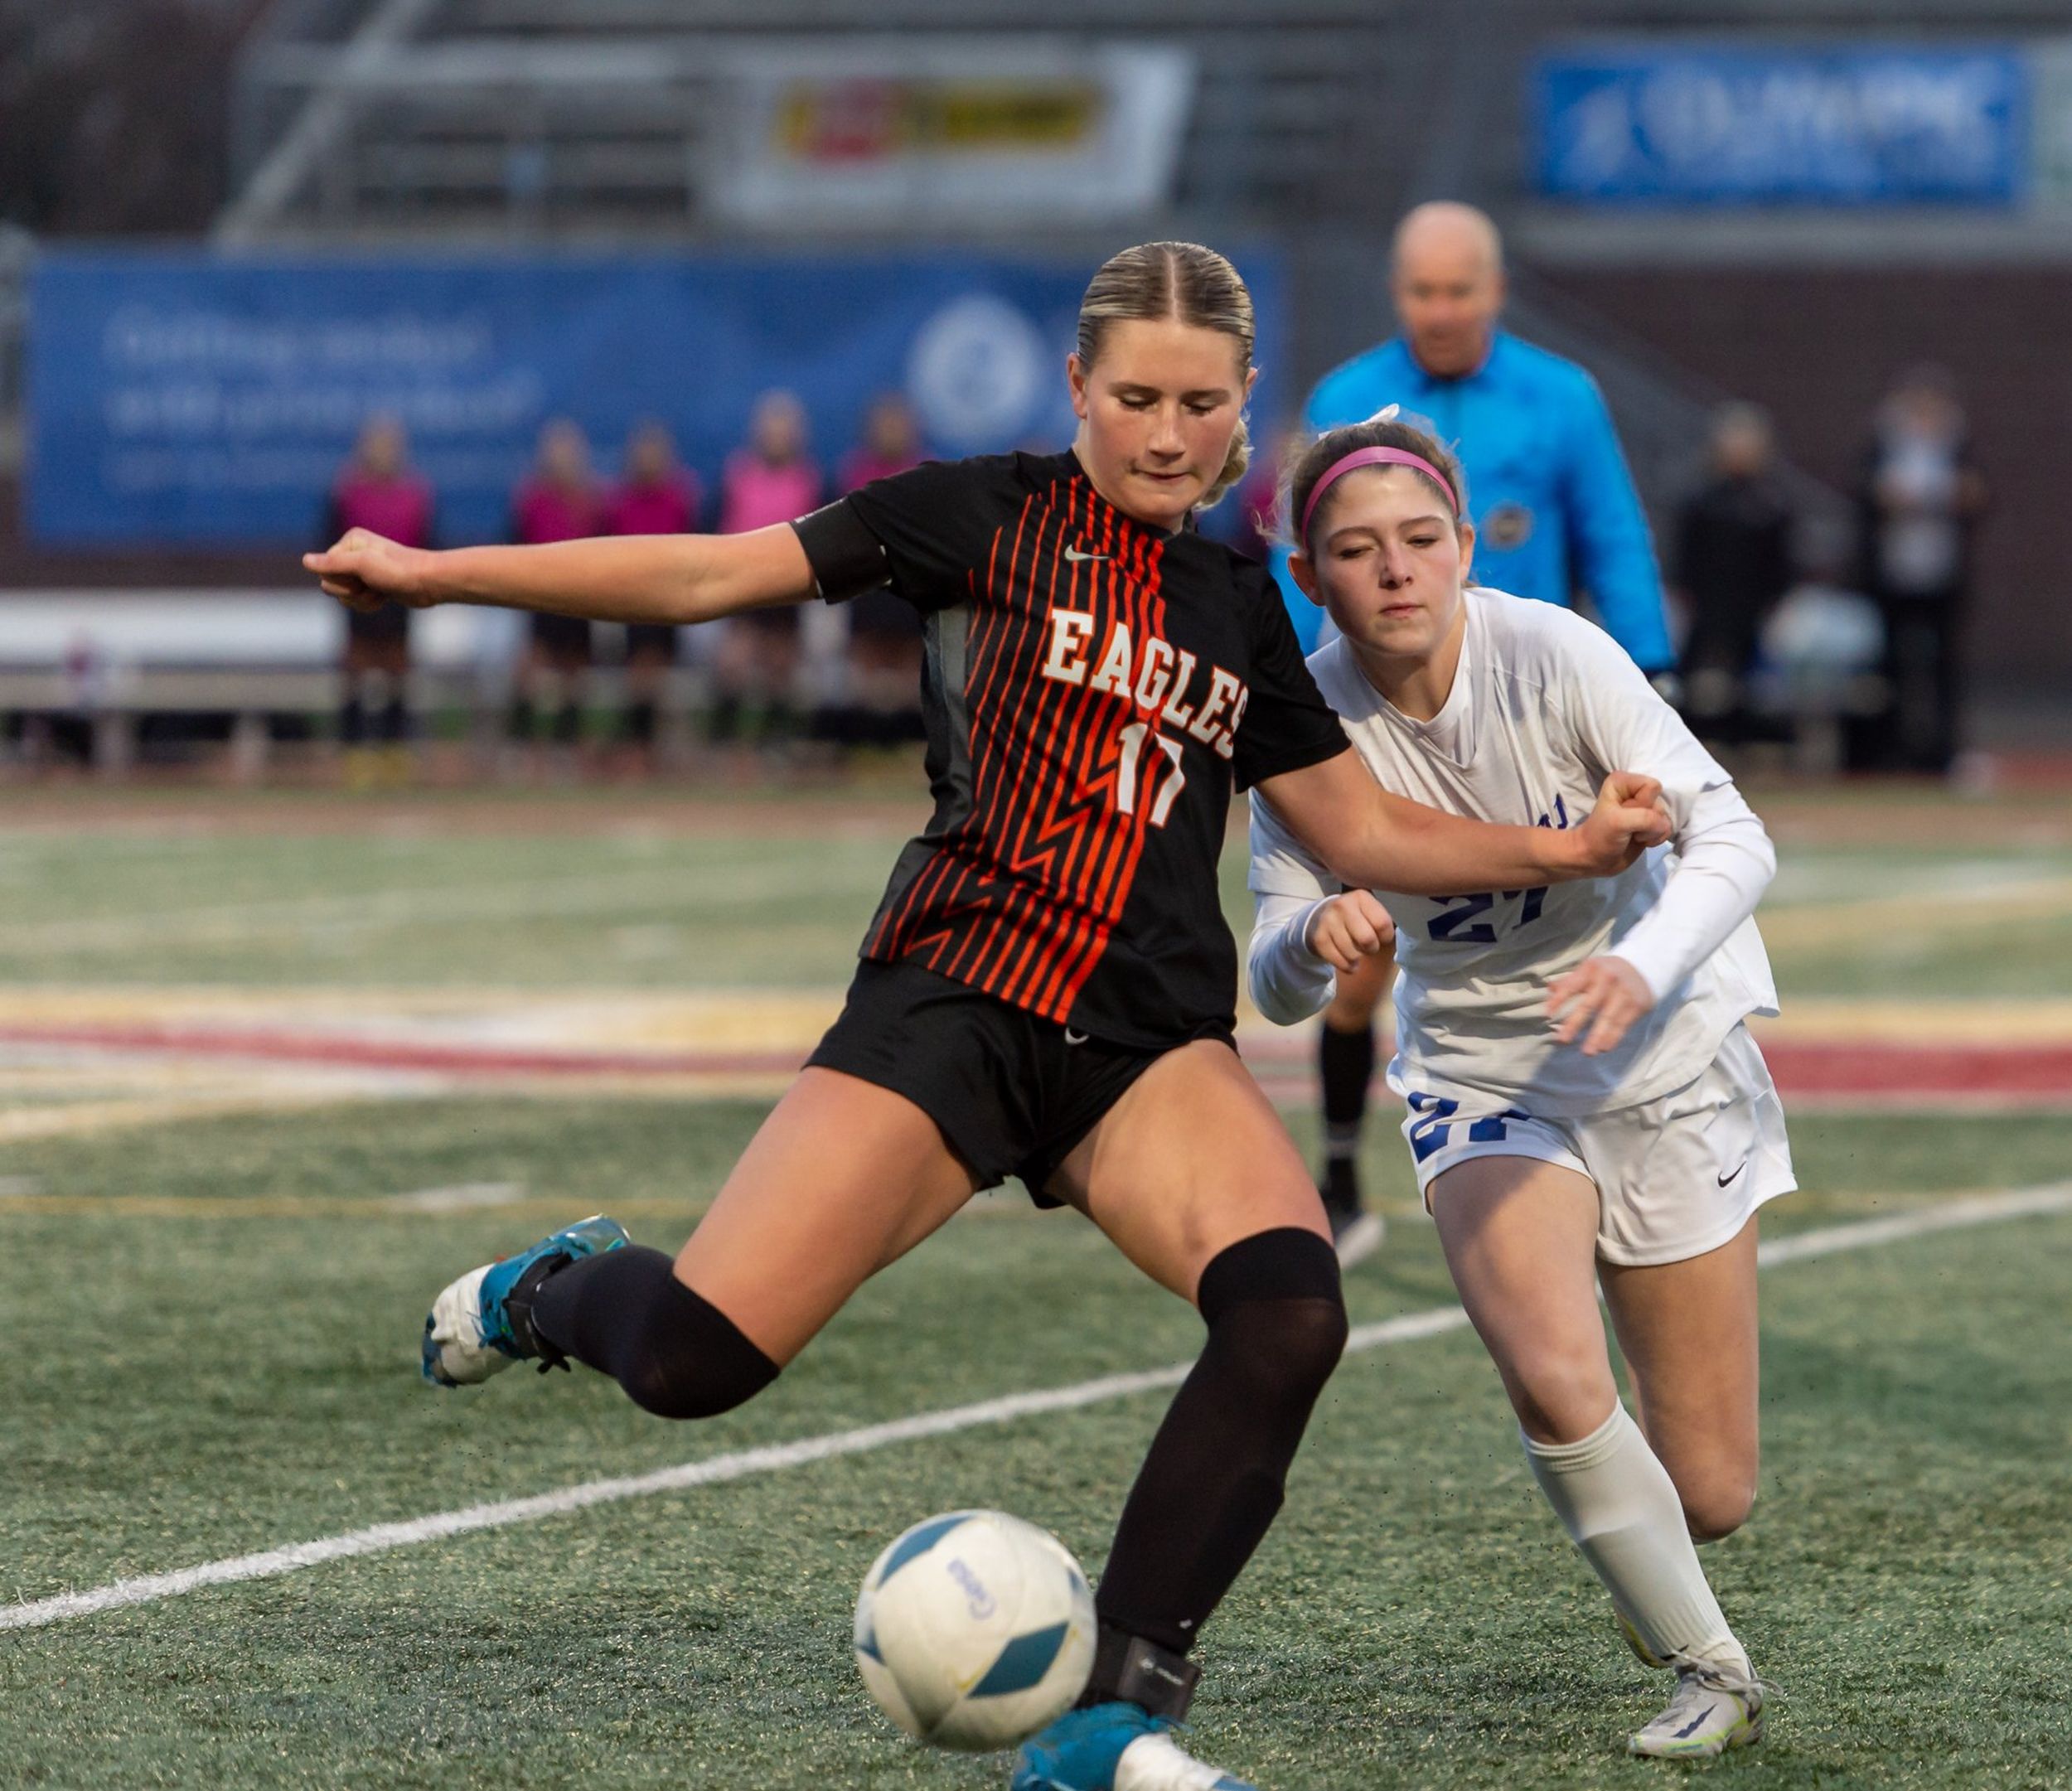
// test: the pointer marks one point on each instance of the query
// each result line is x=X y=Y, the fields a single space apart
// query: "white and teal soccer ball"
x=975 y=1629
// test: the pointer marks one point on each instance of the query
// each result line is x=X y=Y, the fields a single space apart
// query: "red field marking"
x=1808 y=1067
x=1803 y=1067
x=394 y=1054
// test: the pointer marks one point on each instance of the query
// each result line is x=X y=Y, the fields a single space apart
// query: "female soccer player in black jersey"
x=1047 y=989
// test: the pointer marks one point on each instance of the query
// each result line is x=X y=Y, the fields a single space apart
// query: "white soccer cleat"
x=456 y=1354
x=1158 y=1763
x=1716 y=1708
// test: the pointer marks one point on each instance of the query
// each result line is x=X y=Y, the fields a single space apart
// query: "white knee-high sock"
x=1620 y=1507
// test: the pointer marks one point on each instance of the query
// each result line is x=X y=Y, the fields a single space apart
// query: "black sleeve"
x=933 y=525
x=1287 y=723
x=844 y=555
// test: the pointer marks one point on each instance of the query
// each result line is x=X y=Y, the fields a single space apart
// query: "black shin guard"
x=625 y=1314
x=1212 y=1484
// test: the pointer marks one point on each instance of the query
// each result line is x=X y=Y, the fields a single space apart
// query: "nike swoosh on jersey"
x=1072 y=1037
x=1075 y=556
x=1738 y=1168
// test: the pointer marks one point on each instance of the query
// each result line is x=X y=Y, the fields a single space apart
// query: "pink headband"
x=1372 y=456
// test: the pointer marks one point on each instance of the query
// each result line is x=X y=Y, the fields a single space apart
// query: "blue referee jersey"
x=1553 y=506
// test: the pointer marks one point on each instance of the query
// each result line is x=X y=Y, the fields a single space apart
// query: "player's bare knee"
x=1561 y=1397
x=1717 y=1507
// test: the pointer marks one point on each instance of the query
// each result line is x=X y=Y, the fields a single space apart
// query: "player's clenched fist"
x=1349 y=928
x=1628 y=818
x=364 y=570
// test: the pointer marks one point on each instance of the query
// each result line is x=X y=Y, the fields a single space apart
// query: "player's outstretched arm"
x=1373 y=838
x=621 y=577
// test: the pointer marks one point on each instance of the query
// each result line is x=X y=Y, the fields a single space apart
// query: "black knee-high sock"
x=352 y=721
x=625 y=1314
x=1345 y=1062
x=393 y=723
x=1213 y=1481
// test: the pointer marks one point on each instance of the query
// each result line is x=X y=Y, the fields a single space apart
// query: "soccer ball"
x=975 y=1629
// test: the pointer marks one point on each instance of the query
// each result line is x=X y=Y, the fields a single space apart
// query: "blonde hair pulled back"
x=1181 y=280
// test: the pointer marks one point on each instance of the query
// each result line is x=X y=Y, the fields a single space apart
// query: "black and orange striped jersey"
x=1092 y=689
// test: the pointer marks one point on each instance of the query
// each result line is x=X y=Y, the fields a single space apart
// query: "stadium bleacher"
x=371 y=123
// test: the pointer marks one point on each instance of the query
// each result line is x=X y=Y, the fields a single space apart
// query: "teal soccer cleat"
x=1114 y=1747
x=471 y=1331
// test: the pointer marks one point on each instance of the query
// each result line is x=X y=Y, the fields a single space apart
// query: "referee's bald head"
x=1446 y=273
x=1445 y=228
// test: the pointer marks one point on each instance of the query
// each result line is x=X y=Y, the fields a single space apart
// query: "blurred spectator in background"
x=377 y=490
x=1257 y=500
x=1821 y=650
x=656 y=496
x=1733 y=565
x=1920 y=500
x=884 y=685
x=772 y=479
x=559 y=501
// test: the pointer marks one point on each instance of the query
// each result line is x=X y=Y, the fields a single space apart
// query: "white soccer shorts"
x=1676 y=1177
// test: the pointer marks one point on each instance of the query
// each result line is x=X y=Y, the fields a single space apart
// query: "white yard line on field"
x=705 y=886
x=463 y=1196
x=772 y=1457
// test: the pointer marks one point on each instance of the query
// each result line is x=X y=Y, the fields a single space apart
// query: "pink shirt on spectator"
x=399 y=508
x=667 y=507
x=543 y=512
x=754 y=494
x=862 y=466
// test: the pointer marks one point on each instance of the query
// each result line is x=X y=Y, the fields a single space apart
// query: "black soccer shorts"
x=1013 y=1093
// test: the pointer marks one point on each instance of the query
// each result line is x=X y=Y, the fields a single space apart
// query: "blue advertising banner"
x=181 y=397
x=1705 y=125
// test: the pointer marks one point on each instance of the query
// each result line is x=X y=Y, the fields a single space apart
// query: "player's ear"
x=1466 y=530
x=1304 y=571
x=1076 y=380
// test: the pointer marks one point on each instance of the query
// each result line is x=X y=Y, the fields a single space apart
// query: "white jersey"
x=1543 y=707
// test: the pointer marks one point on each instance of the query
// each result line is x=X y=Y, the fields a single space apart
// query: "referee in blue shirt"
x=1555 y=513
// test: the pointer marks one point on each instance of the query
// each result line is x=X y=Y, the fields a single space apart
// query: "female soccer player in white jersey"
x=1048 y=989
x=1585 y=1105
